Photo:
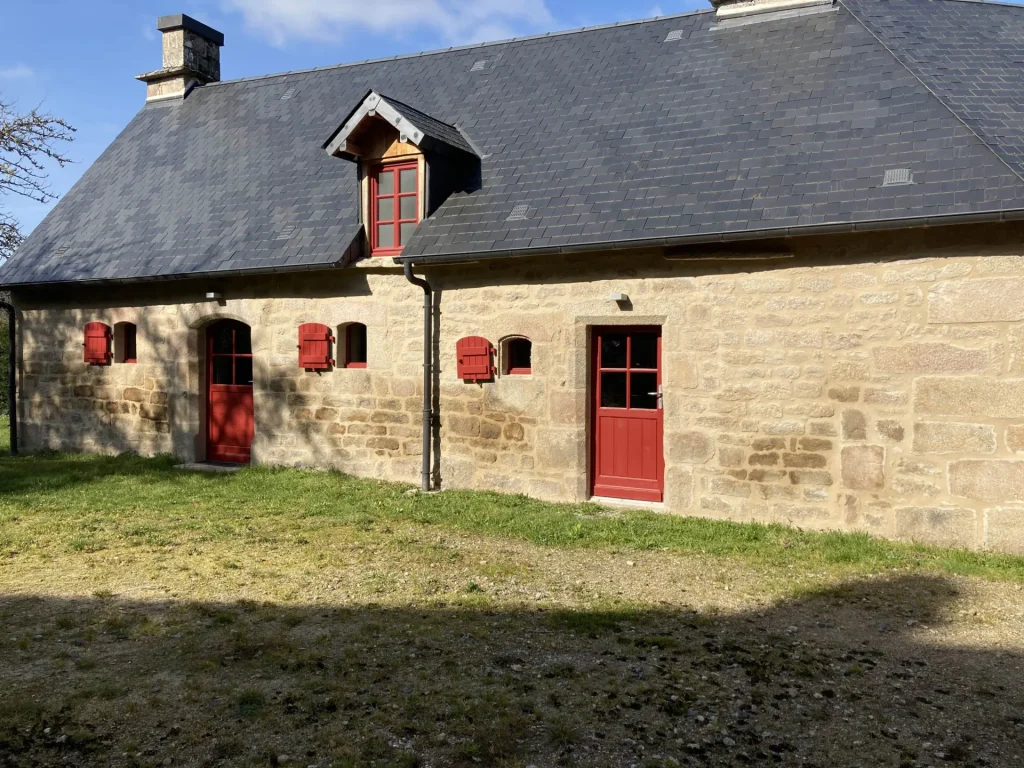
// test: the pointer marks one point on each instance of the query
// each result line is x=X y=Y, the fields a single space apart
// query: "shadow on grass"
x=843 y=677
x=48 y=472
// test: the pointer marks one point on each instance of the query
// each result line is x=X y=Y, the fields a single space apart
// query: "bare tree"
x=27 y=143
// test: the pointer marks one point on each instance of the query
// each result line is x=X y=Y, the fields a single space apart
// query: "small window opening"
x=355 y=345
x=518 y=357
x=125 y=338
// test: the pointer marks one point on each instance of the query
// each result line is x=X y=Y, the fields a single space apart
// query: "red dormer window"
x=394 y=207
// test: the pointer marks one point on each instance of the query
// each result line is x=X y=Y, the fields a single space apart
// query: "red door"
x=230 y=423
x=628 y=455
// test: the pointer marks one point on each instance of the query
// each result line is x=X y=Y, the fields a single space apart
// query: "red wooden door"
x=628 y=449
x=229 y=409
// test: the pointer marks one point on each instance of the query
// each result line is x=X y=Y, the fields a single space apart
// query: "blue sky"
x=78 y=60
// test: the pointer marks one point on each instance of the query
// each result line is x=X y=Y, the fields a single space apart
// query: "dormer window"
x=394 y=206
x=395 y=145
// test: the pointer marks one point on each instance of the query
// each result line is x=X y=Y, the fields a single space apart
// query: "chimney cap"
x=182 y=21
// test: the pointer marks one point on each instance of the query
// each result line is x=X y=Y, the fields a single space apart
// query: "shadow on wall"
x=842 y=677
x=120 y=407
x=159 y=404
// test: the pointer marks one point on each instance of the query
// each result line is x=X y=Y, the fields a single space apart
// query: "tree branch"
x=27 y=143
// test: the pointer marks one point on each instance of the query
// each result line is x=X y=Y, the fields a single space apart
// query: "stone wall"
x=873 y=383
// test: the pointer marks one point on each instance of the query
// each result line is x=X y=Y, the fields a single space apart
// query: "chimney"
x=191 y=58
x=735 y=9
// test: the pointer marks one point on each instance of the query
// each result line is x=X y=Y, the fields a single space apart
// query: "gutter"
x=428 y=357
x=251 y=272
x=12 y=375
x=878 y=225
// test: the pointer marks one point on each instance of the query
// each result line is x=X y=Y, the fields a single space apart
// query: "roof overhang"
x=397 y=115
x=774 y=234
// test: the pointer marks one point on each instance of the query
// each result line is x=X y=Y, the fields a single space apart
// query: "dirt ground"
x=409 y=647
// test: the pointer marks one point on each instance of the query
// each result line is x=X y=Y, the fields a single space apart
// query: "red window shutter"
x=315 y=347
x=475 y=356
x=97 y=344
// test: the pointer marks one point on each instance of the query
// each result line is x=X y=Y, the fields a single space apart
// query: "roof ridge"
x=456 y=48
x=1000 y=3
x=956 y=115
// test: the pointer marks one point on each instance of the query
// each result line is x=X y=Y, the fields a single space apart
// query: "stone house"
x=762 y=262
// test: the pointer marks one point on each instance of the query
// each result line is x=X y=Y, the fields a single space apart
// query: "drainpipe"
x=428 y=356
x=12 y=376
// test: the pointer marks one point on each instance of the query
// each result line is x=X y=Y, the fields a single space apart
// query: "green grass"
x=5 y=435
x=283 y=617
x=90 y=503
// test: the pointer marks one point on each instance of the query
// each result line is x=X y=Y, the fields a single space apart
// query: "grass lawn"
x=150 y=617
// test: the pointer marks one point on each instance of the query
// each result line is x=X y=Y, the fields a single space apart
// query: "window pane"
x=410 y=210
x=386 y=183
x=386 y=236
x=408 y=180
x=386 y=209
x=613 y=390
x=406 y=234
x=243 y=339
x=613 y=351
x=357 y=343
x=129 y=342
x=223 y=334
x=243 y=371
x=223 y=371
x=643 y=392
x=644 y=352
x=519 y=354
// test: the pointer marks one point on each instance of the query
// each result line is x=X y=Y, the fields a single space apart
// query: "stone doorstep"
x=219 y=469
x=648 y=506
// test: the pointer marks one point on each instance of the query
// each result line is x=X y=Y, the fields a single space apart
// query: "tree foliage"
x=28 y=142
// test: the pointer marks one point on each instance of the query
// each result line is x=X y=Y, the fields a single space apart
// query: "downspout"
x=12 y=376
x=428 y=357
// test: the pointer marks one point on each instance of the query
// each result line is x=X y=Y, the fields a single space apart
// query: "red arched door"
x=229 y=404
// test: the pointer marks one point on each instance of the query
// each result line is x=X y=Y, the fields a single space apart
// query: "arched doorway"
x=230 y=424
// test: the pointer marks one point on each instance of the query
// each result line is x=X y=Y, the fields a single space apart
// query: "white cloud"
x=19 y=72
x=456 y=21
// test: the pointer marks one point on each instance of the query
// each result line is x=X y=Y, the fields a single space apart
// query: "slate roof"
x=971 y=55
x=436 y=129
x=656 y=131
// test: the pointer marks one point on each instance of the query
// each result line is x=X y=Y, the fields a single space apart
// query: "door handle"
x=661 y=397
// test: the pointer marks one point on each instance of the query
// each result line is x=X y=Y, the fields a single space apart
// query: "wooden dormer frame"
x=373 y=106
x=414 y=127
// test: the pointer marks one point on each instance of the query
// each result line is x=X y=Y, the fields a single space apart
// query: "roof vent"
x=675 y=34
x=289 y=93
x=897 y=176
x=479 y=66
x=286 y=233
x=519 y=213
